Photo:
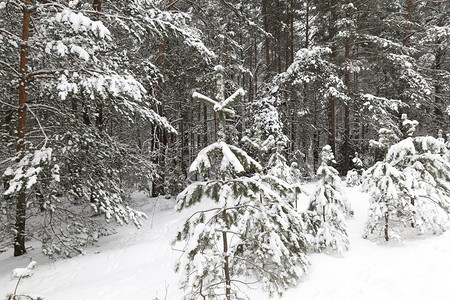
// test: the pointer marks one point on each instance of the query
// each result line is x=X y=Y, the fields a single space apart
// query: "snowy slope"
x=138 y=264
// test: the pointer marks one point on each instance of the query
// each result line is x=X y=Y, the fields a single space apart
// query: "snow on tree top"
x=24 y=272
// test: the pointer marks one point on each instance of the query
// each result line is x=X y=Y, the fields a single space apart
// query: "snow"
x=138 y=264
x=81 y=23
x=24 y=272
x=80 y=51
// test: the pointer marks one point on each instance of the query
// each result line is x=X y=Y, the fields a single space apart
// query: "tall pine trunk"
x=408 y=27
x=19 y=241
x=97 y=6
x=266 y=29
x=346 y=150
x=164 y=139
x=332 y=102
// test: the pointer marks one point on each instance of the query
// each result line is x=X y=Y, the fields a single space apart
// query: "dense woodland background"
x=96 y=96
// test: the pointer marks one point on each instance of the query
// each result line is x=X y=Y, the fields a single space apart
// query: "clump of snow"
x=83 y=54
x=25 y=173
x=24 y=272
x=81 y=23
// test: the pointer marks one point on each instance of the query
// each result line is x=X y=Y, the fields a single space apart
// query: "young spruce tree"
x=248 y=234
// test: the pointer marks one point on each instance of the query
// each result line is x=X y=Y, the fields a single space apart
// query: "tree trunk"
x=307 y=25
x=19 y=241
x=205 y=126
x=97 y=6
x=292 y=31
x=386 y=227
x=332 y=105
x=332 y=125
x=439 y=99
x=266 y=29
x=278 y=51
x=164 y=139
x=346 y=149
x=250 y=78
x=408 y=27
x=256 y=67
x=226 y=266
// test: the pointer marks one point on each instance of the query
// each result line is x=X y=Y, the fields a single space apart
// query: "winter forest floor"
x=138 y=264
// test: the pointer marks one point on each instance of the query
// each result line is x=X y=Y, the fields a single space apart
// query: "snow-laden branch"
x=236 y=96
x=208 y=101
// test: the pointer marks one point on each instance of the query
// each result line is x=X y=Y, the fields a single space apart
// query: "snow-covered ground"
x=138 y=264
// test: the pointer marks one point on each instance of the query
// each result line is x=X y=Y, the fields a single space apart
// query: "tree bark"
x=292 y=31
x=332 y=125
x=97 y=6
x=19 y=241
x=266 y=29
x=307 y=25
x=278 y=41
x=164 y=139
x=278 y=48
x=346 y=149
x=408 y=27
x=332 y=104
x=226 y=265
x=386 y=227
x=256 y=67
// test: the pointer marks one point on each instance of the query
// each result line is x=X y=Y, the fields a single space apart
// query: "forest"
x=236 y=102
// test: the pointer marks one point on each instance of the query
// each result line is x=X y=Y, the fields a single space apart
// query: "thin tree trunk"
x=226 y=265
x=307 y=25
x=250 y=79
x=332 y=125
x=292 y=31
x=386 y=227
x=205 y=125
x=406 y=43
x=164 y=139
x=266 y=29
x=346 y=149
x=19 y=241
x=386 y=214
x=332 y=105
x=439 y=55
x=256 y=67
x=97 y=6
x=278 y=52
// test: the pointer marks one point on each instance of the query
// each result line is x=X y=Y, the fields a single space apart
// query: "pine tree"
x=257 y=143
x=410 y=188
x=278 y=167
x=327 y=210
x=248 y=234
x=354 y=175
x=81 y=92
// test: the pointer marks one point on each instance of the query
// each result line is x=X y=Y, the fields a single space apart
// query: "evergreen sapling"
x=353 y=177
x=410 y=188
x=248 y=234
x=327 y=210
